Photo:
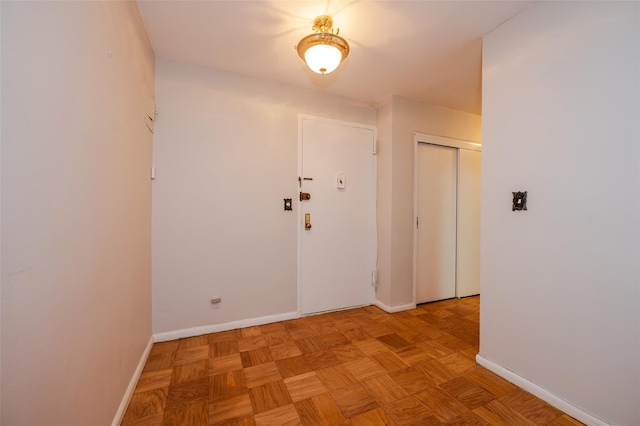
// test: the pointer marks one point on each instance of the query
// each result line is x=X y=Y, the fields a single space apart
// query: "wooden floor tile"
x=228 y=409
x=356 y=334
x=282 y=416
x=436 y=371
x=256 y=357
x=293 y=366
x=318 y=410
x=145 y=405
x=412 y=380
x=374 y=417
x=468 y=419
x=159 y=361
x=186 y=393
x=223 y=348
x=225 y=363
x=371 y=346
x=302 y=333
x=308 y=413
x=196 y=414
x=336 y=377
x=469 y=394
x=359 y=366
x=183 y=373
x=269 y=396
x=364 y=368
x=261 y=374
x=394 y=341
x=154 y=380
x=348 y=353
x=442 y=406
x=225 y=335
x=333 y=340
x=160 y=347
x=321 y=360
x=493 y=384
x=304 y=386
x=496 y=412
x=192 y=342
x=310 y=345
x=252 y=342
x=277 y=337
x=195 y=353
x=384 y=389
x=227 y=384
x=530 y=407
x=412 y=355
x=458 y=363
x=409 y=411
x=353 y=400
x=390 y=361
x=285 y=350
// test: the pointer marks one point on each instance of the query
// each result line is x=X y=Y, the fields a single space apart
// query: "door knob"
x=307 y=221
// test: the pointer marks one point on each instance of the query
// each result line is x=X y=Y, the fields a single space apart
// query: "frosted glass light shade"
x=325 y=50
x=323 y=58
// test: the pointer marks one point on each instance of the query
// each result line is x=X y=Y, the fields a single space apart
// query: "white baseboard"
x=132 y=384
x=541 y=393
x=214 y=328
x=394 y=309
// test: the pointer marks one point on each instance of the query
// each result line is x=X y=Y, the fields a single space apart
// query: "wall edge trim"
x=541 y=393
x=214 y=328
x=394 y=309
x=117 y=420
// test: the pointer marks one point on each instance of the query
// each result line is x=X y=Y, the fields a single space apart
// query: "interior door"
x=468 y=262
x=336 y=253
x=436 y=222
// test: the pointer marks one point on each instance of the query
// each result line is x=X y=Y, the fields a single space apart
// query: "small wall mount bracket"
x=519 y=201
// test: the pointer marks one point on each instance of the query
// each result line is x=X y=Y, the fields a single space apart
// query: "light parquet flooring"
x=355 y=367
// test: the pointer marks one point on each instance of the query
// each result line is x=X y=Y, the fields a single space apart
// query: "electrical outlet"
x=216 y=301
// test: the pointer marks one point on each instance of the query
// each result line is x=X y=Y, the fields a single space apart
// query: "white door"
x=336 y=256
x=436 y=182
x=468 y=271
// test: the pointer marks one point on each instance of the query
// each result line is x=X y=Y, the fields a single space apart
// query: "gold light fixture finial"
x=324 y=50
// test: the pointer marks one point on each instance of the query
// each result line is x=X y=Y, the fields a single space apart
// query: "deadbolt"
x=305 y=196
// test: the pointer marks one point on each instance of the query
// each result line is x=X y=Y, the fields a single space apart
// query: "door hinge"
x=417 y=222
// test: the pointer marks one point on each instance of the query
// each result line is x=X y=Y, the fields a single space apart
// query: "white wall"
x=75 y=208
x=561 y=282
x=226 y=155
x=408 y=117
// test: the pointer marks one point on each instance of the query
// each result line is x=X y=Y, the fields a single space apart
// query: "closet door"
x=436 y=222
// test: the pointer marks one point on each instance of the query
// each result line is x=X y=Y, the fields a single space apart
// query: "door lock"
x=305 y=196
x=307 y=221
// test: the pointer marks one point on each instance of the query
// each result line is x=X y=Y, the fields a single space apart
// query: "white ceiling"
x=422 y=50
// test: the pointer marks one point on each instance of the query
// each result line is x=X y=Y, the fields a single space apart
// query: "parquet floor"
x=356 y=367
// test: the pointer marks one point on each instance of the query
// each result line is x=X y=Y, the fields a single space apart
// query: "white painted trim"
x=132 y=384
x=394 y=309
x=541 y=393
x=214 y=328
x=444 y=141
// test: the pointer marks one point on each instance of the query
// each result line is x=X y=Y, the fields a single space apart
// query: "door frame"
x=426 y=138
x=299 y=214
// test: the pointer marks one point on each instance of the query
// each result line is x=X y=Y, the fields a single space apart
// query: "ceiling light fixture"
x=324 y=50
